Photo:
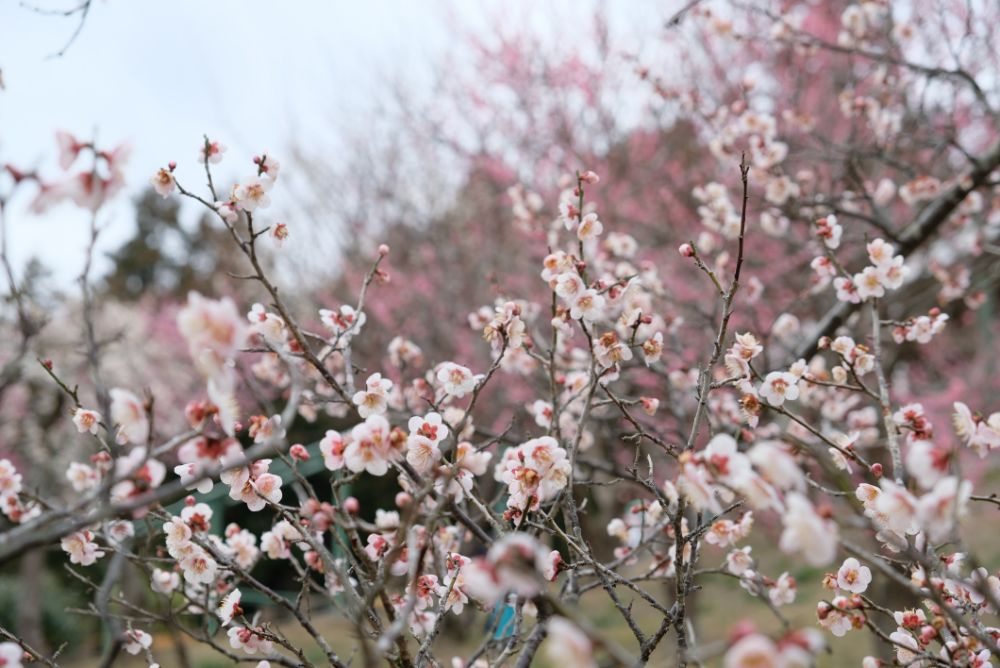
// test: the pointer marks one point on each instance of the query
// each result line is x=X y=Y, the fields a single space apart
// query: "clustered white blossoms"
x=534 y=473
x=885 y=273
x=445 y=546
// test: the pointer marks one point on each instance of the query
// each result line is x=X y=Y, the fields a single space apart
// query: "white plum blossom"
x=83 y=478
x=253 y=193
x=589 y=228
x=869 y=283
x=588 y=306
x=853 y=577
x=81 y=548
x=343 y=323
x=165 y=582
x=86 y=420
x=430 y=426
x=457 y=380
x=332 y=448
x=374 y=399
x=251 y=641
x=783 y=591
x=422 y=453
x=229 y=607
x=609 y=350
x=268 y=325
x=211 y=152
x=370 y=448
x=752 y=650
x=779 y=387
x=163 y=182
x=830 y=231
x=567 y=645
x=807 y=533
x=128 y=413
x=136 y=641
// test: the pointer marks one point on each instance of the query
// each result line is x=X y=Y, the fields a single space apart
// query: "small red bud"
x=383 y=250
x=351 y=505
x=686 y=250
x=876 y=470
x=172 y=165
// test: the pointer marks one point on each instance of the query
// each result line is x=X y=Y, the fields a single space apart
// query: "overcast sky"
x=159 y=75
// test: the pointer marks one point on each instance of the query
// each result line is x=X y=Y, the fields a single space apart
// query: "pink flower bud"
x=403 y=500
x=299 y=453
x=649 y=405
x=686 y=250
x=590 y=177
x=876 y=470
x=352 y=505
x=172 y=165
x=280 y=232
x=383 y=250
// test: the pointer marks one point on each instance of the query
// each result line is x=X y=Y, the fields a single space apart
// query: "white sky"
x=161 y=74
